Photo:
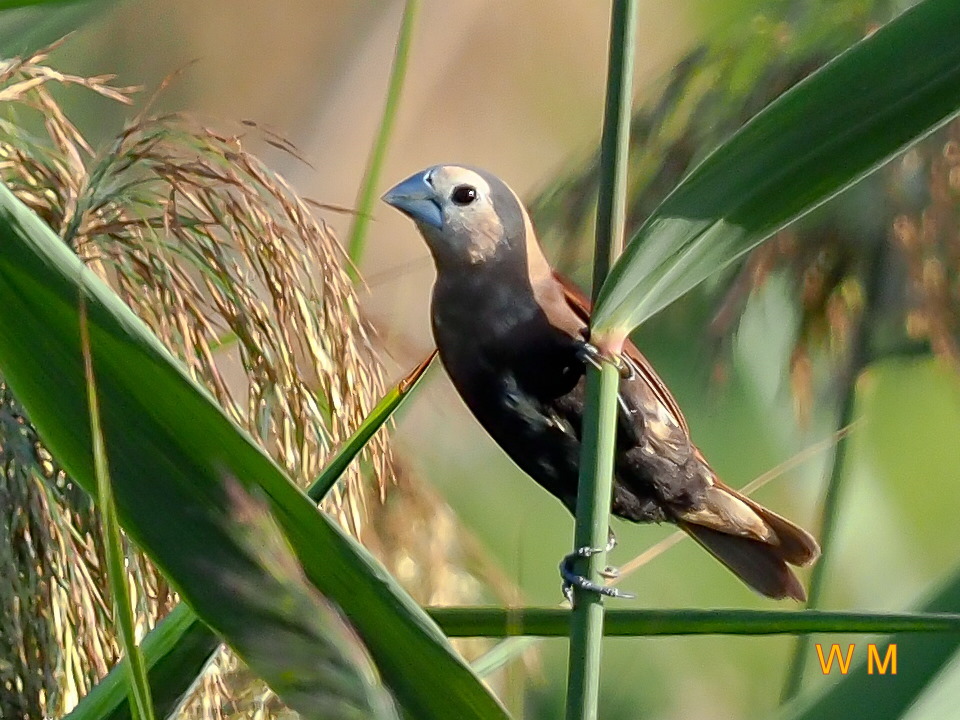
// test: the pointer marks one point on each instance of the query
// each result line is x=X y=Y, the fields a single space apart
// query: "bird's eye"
x=464 y=194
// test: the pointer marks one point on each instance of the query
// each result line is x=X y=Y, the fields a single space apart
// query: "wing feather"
x=580 y=305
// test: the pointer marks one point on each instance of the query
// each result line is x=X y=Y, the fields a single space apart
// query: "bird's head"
x=468 y=217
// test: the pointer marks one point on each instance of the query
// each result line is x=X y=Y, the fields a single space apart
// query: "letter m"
x=873 y=656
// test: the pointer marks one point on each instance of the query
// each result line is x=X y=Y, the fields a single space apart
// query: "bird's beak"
x=417 y=198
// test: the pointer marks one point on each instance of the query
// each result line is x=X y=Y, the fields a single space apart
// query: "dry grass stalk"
x=227 y=265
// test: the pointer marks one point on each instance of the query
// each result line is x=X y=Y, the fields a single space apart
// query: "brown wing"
x=754 y=542
x=579 y=303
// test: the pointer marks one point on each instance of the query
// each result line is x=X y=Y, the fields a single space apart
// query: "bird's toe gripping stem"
x=590 y=353
x=571 y=579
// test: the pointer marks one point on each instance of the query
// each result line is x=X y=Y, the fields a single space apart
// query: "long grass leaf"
x=175 y=653
x=171 y=452
x=827 y=132
x=179 y=648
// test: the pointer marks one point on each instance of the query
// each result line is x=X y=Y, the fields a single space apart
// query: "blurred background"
x=847 y=320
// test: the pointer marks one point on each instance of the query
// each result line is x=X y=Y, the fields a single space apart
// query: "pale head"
x=468 y=217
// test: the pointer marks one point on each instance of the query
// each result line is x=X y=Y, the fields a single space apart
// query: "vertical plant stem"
x=615 y=142
x=140 y=701
x=858 y=360
x=593 y=510
x=371 y=176
x=599 y=422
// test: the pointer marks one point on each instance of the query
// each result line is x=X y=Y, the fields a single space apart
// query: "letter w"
x=826 y=665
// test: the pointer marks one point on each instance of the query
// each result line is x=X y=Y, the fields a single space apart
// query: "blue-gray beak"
x=417 y=198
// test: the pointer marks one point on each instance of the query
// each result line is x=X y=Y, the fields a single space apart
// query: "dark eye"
x=464 y=194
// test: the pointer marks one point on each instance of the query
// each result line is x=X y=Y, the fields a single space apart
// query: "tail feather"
x=753 y=561
x=795 y=545
x=755 y=543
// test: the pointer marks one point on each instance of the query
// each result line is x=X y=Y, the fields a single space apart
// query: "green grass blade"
x=180 y=646
x=890 y=89
x=172 y=453
x=139 y=687
x=555 y=622
x=282 y=627
x=175 y=652
x=13 y=4
x=28 y=26
x=371 y=176
x=371 y=424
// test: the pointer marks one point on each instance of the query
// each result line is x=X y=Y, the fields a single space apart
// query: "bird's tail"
x=755 y=543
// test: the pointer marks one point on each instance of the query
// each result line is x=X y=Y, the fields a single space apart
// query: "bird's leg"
x=571 y=579
x=590 y=353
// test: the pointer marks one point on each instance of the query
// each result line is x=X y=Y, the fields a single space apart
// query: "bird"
x=513 y=336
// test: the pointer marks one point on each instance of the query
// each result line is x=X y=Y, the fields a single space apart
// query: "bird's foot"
x=571 y=579
x=593 y=355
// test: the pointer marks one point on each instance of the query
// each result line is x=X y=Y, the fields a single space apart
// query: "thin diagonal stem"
x=141 y=704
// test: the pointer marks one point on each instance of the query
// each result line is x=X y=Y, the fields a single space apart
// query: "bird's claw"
x=610 y=572
x=571 y=579
x=593 y=355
